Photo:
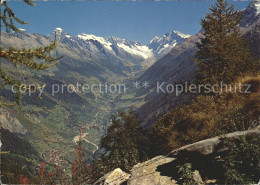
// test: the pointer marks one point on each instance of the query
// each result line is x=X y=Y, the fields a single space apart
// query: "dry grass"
x=253 y=81
x=208 y=116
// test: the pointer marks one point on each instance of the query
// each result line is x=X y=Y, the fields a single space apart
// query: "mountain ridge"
x=157 y=47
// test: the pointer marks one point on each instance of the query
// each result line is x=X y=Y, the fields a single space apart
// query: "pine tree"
x=124 y=144
x=223 y=55
x=29 y=58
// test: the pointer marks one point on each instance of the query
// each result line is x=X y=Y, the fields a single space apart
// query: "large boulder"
x=116 y=177
x=213 y=145
x=145 y=173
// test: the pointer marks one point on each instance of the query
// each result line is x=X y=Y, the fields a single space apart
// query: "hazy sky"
x=138 y=21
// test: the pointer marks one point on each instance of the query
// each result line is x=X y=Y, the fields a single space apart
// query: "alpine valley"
x=48 y=126
x=52 y=122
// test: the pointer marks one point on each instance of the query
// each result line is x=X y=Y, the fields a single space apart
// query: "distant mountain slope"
x=21 y=159
x=173 y=68
x=177 y=67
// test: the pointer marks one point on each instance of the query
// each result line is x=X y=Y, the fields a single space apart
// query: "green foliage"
x=15 y=144
x=223 y=55
x=186 y=174
x=243 y=111
x=12 y=167
x=29 y=58
x=19 y=161
x=232 y=120
x=123 y=144
x=242 y=164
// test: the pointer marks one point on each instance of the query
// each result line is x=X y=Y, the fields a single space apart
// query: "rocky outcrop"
x=145 y=173
x=116 y=177
x=11 y=123
x=213 y=145
x=205 y=157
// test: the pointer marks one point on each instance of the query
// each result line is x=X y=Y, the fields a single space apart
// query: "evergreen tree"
x=124 y=144
x=29 y=58
x=223 y=55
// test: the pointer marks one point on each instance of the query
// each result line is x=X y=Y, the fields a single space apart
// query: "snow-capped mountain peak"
x=155 y=39
x=163 y=45
x=58 y=30
x=181 y=34
x=114 y=44
x=136 y=49
x=101 y=40
x=251 y=13
x=22 y=30
x=254 y=6
x=123 y=47
x=257 y=6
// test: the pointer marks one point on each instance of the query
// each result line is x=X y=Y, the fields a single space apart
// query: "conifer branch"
x=33 y=58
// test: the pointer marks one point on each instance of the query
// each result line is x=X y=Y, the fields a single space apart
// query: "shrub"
x=242 y=164
x=186 y=174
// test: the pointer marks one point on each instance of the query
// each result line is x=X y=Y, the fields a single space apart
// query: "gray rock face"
x=212 y=145
x=116 y=177
x=145 y=173
x=10 y=123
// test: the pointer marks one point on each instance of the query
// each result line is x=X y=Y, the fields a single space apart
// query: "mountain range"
x=124 y=49
x=53 y=123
